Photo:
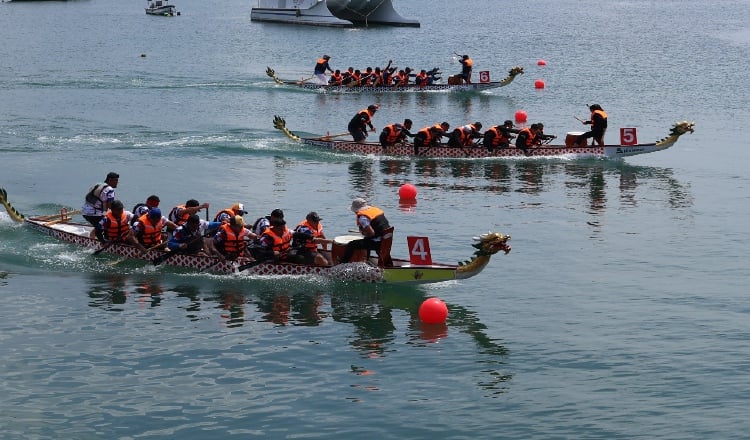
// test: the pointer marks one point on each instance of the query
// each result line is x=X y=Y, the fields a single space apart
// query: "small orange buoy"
x=407 y=191
x=433 y=311
x=539 y=84
x=541 y=63
x=521 y=116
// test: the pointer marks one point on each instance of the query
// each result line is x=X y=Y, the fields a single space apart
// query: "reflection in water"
x=531 y=177
x=368 y=309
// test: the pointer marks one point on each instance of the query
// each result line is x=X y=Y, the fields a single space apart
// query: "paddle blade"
x=249 y=265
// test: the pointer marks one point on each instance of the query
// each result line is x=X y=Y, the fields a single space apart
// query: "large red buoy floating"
x=521 y=116
x=539 y=84
x=407 y=191
x=433 y=311
x=541 y=63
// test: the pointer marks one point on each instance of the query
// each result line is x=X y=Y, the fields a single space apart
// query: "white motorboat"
x=337 y=13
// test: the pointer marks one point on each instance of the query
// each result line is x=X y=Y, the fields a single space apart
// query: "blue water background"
x=621 y=312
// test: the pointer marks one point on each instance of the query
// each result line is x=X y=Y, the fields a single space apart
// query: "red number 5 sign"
x=628 y=136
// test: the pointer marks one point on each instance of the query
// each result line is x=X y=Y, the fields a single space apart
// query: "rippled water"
x=620 y=313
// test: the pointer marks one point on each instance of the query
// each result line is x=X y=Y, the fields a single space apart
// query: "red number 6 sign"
x=484 y=76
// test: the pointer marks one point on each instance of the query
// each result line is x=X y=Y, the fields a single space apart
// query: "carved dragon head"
x=515 y=71
x=280 y=124
x=678 y=129
x=491 y=243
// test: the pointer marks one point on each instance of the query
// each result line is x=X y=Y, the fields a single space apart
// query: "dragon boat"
x=363 y=268
x=568 y=150
x=463 y=87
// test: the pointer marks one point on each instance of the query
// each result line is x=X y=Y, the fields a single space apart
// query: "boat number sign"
x=628 y=136
x=419 y=250
x=484 y=76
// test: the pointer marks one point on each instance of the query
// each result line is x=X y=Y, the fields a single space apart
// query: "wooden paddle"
x=210 y=266
x=331 y=136
x=105 y=247
x=249 y=265
x=162 y=258
x=152 y=248
x=579 y=119
x=304 y=80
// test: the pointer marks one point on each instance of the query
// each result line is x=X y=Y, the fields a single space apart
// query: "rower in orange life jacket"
x=421 y=78
x=395 y=133
x=429 y=136
x=115 y=226
x=275 y=241
x=225 y=214
x=527 y=137
x=464 y=136
x=336 y=78
x=148 y=228
x=232 y=238
x=180 y=213
x=498 y=136
x=307 y=235
x=598 y=122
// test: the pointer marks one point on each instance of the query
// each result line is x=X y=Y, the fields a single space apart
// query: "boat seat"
x=384 y=253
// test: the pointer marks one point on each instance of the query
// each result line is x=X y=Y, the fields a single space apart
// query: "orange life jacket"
x=281 y=244
x=601 y=113
x=530 y=138
x=117 y=228
x=393 y=132
x=227 y=211
x=317 y=233
x=181 y=219
x=465 y=134
x=336 y=79
x=150 y=233
x=402 y=78
x=499 y=136
x=233 y=244
x=376 y=217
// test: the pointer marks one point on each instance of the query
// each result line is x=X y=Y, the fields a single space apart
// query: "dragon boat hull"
x=60 y=227
x=443 y=151
x=409 y=88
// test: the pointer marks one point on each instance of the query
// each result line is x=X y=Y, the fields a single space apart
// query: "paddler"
x=359 y=123
x=395 y=133
x=115 y=226
x=429 y=137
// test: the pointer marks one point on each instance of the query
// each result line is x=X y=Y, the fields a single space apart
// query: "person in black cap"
x=499 y=136
x=321 y=66
x=358 y=125
x=275 y=242
x=467 y=65
x=98 y=200
x=308 y=234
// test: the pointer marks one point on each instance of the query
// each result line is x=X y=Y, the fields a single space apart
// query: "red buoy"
x=433 y=311
x=521 y=116
x=539 y=84
x=407 y=191
x=541 y=63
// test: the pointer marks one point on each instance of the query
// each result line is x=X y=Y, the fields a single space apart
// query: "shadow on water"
x=373 y=311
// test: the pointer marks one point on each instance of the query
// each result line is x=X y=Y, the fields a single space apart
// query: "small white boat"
x=161 y=7
x=336 y=13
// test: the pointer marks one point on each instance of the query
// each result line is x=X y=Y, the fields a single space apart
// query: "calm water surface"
x=621 y=312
